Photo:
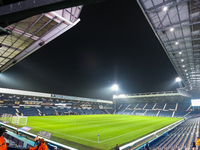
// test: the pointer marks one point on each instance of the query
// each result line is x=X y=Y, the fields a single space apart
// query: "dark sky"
x=113 y=43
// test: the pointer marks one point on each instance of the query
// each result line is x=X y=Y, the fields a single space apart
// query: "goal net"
x=6 y=117
x=19 y=120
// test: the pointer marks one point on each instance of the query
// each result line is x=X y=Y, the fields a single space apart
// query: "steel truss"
x=178 y=30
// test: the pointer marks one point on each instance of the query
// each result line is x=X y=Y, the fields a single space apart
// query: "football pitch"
x=112 y=129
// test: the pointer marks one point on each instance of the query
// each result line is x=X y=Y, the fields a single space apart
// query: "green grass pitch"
x=84 y=129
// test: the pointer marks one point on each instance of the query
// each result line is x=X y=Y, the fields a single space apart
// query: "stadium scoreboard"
x=195 y=102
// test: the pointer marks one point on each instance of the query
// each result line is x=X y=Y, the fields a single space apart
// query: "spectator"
x=117 y=147
x=147 y=146
x=40 y=146
x=193 y=145
x=3 y=145
x=36 y=140
x=197 y=142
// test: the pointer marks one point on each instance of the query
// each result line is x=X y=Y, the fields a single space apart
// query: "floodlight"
x=165 y=8
x=171 y=29
x=180 y=52
x=178 y=79
x=183 y=65
x=182 y=59
x=176 y=43
x=115 y=87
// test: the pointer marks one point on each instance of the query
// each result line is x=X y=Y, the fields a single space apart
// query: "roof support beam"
x=7 y=46
x=190 y=36
x=187 y=50
x=181 y=41
x=184 y=48
x=28 y=8
x=159 y=5
x=20 y=32
x=179 y=22
x=185 y=57
x=163 y=4
x=177 y=27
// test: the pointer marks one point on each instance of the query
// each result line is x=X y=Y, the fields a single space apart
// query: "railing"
x=33 y=136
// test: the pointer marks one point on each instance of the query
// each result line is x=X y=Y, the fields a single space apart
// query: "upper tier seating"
x=133 y=105
x=169 y=109
x=149 y=105
x=141 y=106
x=159 y=105
x=170 y=106
x=183 y=106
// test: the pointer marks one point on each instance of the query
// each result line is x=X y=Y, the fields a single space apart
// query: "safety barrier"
x=61 y=146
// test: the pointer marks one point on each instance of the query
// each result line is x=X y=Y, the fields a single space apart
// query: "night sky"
x=113 y=43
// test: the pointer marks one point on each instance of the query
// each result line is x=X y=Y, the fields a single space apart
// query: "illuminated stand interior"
x=32 y=33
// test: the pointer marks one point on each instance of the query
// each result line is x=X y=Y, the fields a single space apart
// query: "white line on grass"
x=67 y=135
x=129 y=133
x=99 y=141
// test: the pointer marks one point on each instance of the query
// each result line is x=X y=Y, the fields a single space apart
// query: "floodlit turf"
x=113 y=129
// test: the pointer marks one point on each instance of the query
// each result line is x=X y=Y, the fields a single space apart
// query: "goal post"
x=19 y=120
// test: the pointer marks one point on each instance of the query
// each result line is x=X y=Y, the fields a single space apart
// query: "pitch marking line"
x=96 y=141
x=127 y=133
x=68 y=135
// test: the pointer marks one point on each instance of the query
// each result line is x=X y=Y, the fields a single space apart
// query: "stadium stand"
x=151 y=113
x=182 y=137
x=180 y=113
x=165 y=113
x=165 y=109
x=109 y=111
x=133 y=105
x=30 y=107
x=170 y=106
x=150 y=105
x=160 y=106
x=139 y=112
x=183 y=106
x=23 y=105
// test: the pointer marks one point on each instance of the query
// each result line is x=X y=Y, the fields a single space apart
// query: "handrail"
x=33 y=135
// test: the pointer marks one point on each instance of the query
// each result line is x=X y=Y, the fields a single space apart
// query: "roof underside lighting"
x=177 y=26
x=165 y=8
x=178 y=79
x=171 y=29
